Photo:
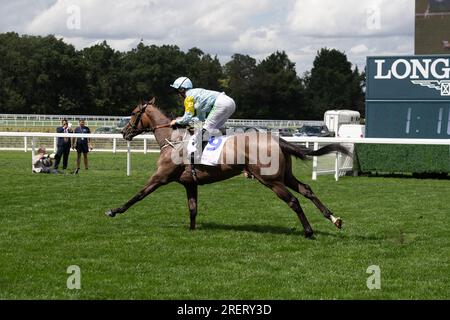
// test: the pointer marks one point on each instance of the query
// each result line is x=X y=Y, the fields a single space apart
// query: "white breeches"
x=223 y=109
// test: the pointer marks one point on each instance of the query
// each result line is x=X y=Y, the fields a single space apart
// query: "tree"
x=277 y=91
x=150 y=70
x=332 y=83
x=239 y=81
x=204 y=70
x=37 y=72
x=357 y=93
x=46 y=75
x=105 y=81
x=12 y=97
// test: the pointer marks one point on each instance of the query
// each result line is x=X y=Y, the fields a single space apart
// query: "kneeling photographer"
x=42 y=162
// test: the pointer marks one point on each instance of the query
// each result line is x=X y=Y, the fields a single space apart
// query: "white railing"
x=56 y=117
x=432 y=14
x=149 y=138
x=48 y=120
x=337 y=170
x=272 y=123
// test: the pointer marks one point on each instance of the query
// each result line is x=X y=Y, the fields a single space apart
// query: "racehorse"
x=148 y=117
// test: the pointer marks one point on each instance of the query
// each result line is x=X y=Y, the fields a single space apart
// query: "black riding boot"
x=192 y=157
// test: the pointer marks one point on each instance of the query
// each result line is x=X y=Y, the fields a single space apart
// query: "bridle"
x=138 y=117
x=138 y=120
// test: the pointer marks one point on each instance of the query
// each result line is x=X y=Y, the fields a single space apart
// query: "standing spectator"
x=82 y=145
x=63 y=146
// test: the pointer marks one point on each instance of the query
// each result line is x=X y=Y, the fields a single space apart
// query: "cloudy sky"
x=224 y=27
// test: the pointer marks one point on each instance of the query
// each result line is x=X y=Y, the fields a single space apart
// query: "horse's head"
x=139 y=121
x=145 y=117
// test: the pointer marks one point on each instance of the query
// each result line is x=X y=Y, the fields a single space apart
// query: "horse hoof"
x=110 y=214
x=338 y=223
x=308 y=234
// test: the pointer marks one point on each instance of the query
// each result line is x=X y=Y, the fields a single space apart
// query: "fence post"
x=145 y=146
x=314 y=173
x=32 y=152
x=336 y=167
x=114 y=145
x=33 y=147
x=128 y=158
x=54 y=144
x=25 y=144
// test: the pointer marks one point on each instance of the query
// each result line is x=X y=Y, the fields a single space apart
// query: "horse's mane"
x=153 y=103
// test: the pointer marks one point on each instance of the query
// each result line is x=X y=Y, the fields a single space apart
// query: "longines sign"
x=415 y=77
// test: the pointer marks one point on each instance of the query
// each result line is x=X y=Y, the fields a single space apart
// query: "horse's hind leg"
x=306 y=191
x=283 y=193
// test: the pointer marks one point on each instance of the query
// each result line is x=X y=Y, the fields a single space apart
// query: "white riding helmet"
x=182 y=83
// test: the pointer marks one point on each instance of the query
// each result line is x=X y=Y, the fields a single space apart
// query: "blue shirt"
x=82 y=130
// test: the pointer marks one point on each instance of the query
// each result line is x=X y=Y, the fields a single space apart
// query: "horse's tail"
x=303 y=153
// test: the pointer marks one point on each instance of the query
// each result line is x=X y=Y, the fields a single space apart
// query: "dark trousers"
x=63 y=152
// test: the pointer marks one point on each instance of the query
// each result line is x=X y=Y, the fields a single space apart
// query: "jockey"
x=200 y=104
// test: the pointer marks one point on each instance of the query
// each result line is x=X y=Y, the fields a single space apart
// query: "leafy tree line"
x=44 y=75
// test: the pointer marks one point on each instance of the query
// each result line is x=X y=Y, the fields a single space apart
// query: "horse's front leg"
x=191 y=191
x=154 y=183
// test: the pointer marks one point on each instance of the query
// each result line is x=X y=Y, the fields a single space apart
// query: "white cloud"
x=225 y=27
x=260 y=40
x=351 y=18
x=153 y=19
x=99 y=18
x=16 y=14
x=358 y=49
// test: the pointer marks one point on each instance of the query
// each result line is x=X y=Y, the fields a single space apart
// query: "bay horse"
x=148 y=117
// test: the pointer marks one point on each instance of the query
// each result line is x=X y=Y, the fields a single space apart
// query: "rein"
x=138 y=120
x=167 y=125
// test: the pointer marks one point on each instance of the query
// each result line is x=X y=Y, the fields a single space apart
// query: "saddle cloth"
x=213 y=150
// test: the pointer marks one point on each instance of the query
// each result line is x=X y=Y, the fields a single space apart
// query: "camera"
x=47 y=160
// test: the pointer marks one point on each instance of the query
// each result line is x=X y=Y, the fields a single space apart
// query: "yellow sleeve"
x=189 y=105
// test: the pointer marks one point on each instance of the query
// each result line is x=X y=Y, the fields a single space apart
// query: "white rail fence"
x=146 y=143
x=47 y=120
x=343 y=165
x=43 y=120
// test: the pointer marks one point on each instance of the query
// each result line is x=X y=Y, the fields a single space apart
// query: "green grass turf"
x=248 y=244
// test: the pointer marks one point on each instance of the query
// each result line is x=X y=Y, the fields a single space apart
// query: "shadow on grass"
x=252 y=228
x=342 y=235
x=417 y=176
x=284 y=231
